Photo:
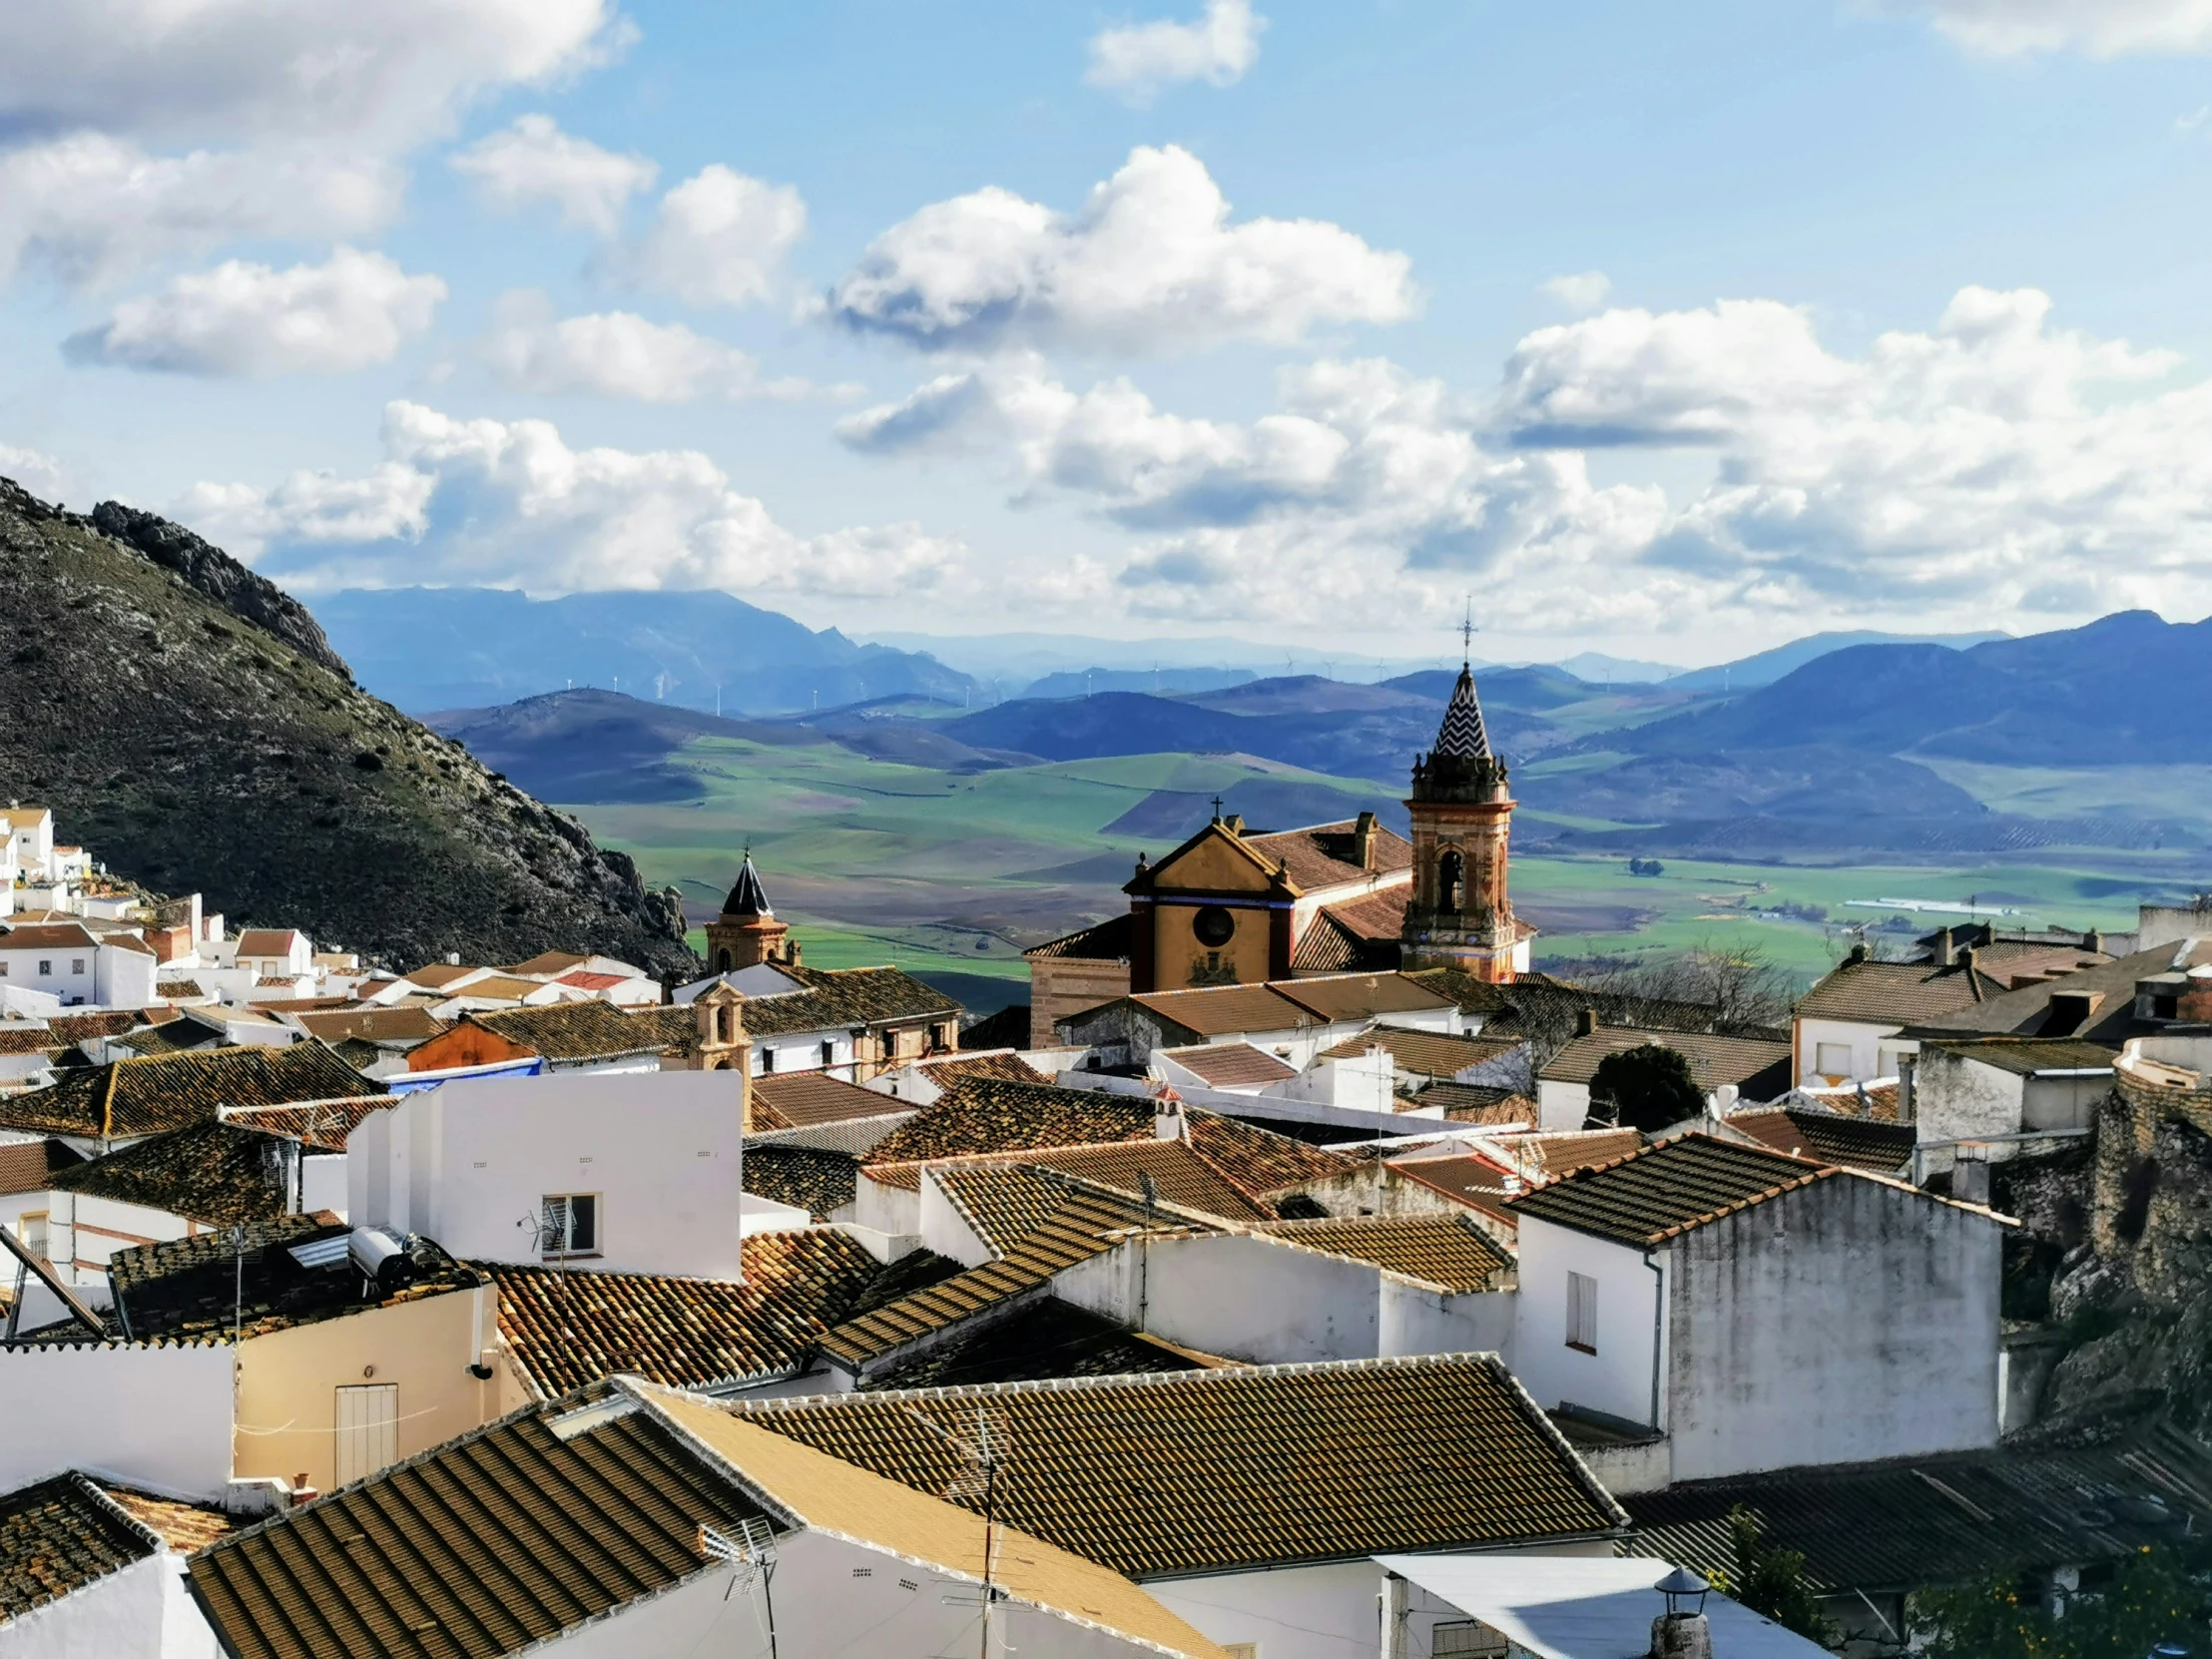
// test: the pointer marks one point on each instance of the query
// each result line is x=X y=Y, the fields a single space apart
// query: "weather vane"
x=1466 y=634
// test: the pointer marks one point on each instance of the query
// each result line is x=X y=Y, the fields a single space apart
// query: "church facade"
x=1233 y=907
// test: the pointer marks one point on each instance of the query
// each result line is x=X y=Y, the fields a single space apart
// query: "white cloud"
x=90 y=209
x=2102 y=28
x=720 y=237
x=618 y=354
x=351 y=310
x=138 y=129
x=384 y=76
x=511 y=504
x=1151 y=265
x=33 y=469
x=1585 y=290
x=1140 y=59
x=1989 y=466
x=534 y=161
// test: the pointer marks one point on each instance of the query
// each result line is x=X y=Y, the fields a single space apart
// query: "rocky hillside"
x=187 y=721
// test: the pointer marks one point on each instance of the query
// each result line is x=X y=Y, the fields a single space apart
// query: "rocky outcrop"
x=187 y=722
x=222 y=578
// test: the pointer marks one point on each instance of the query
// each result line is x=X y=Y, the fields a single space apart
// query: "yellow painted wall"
x=288 y=1381
x=1178 y=960
x=1213 y=865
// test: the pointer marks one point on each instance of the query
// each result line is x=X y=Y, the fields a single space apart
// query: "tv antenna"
x=749 y=1552
x=984 y=1448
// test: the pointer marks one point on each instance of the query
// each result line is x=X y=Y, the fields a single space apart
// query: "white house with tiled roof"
x=1702 y=1308
x=1851 y=1026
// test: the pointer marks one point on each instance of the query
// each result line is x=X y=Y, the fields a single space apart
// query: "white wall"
x=945 y=1230
x=1244 y=1297
x=1318 y=1613
x=1562 y=1105
x=156 y=1417
x=1420 y=1318
x=470 y=1163
x=1845 y=1321
x=884 y=1208
x=1955 y=1098
x=140 y=1612
x=126 y=977
x=831 y=1598
x=62 y=978
x=1616 y=1379
x=2059 y=1101
x=1874 y=1048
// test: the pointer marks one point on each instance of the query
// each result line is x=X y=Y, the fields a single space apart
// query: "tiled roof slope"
x=217 y=1174
x=376 y=1025
x=1852 y=1143
x=590 y=1031
x=1105 y=941
x=2054 y=1007
x=1181 y=1174
x=801 y=1099
x=1475 y=1182
x=805 y=1177
x=1354 y=937
x=1008 y=1028
x=147 y=1095
x=28 y=1166
x=1006 y=1201
x=1340 y=996
x=1226 y=1066
x=1046 y=1339
x=1446 y=1251
x=1425 y=1053
x=325 y=1125
x=2024 y=1056
x=1211 y=1470
x=1751 y=1063
x=1011 y=1068
x=1225 y=1010
x=867 y=995
x=187 y=1289
x=1328 y=855
x=1650 y=1196
x=27 y=1039
x=1478 y=1103
x=185 y=1528
x=1086 y=1222
x=493 y=1542
x=60 y=1536
x=1258 y=1160
x=989 y=1114
x=568 y=1329
x=1897 y=994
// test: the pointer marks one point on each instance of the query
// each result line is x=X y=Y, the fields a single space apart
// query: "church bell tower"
x=747 y=932
x=1461 y=914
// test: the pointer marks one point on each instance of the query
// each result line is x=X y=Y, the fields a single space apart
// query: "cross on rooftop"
x=1217 y=809
x=1466 y=634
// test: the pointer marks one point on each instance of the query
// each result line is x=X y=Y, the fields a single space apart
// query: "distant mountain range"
x=430 y=649
x=1765 y=668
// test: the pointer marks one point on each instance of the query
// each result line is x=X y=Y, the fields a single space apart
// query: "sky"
x=1672 y=332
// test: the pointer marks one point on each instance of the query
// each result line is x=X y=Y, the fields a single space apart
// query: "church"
x=1233 y=907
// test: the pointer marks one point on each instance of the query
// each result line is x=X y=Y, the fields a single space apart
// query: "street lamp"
x=1684 y=1592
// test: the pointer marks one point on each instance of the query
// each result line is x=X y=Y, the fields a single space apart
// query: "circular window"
x=1213 y=926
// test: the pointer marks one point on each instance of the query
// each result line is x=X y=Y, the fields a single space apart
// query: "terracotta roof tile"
x=1897 y=994
x=497 y=1542
x=587 y=1030
x=148 y=1094
x=1227 y=1066
x=1211 y=1470
x=2025 y=1056
x=1104 y=942
x=185 y=1528
x=213 y=1172
x=61 y=1536
x=1447 y=1250
x=1425 y=1053
x=29 y=1166
x=1475 y=1182
x=28 y=1039
x=1011 y=1068
x=376 y=1025
x=1046 y=1339
x=1328 y=855
x=989 y=1114
x=1342 y=997
x=1849 y=1142
x=1226 y=1011
x=1759 y=1068
x=1652 y=1195
x=266 y=941
x=800 y=1099
x=569 y=1329
x=1478 y=1103
x=807 y=1178
x=326 y=1124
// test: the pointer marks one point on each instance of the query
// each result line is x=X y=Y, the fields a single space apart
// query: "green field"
x=955 y=874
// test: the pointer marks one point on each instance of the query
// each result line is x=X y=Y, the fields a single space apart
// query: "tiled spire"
x=747 y=900
x=1461 y=734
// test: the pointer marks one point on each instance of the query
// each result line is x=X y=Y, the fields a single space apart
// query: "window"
x=3 y=970
x=572 y=1224
x=45 y=968
x=1582 y=1312
x=1832 y=1059
x=1452 y=881
x=1214 y=926
x=768 y=1060
x=31 y=1228
x=367 y=1437
x=75 y=965
x=828 y=1053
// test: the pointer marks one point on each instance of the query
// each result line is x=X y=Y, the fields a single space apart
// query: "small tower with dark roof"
x=1461 y=913
x=747 y=932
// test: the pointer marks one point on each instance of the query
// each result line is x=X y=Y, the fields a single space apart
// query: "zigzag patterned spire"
x=1461 y=734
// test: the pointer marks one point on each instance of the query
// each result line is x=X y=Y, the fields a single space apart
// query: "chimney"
x=1585 y=1023
x=1859 y=952
x=1167 y=1116
x=1363 y=834
x=1234 y=823
x=452 y=958
x=2093 y=940
x=1941 y=951
x=1681 y=1636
